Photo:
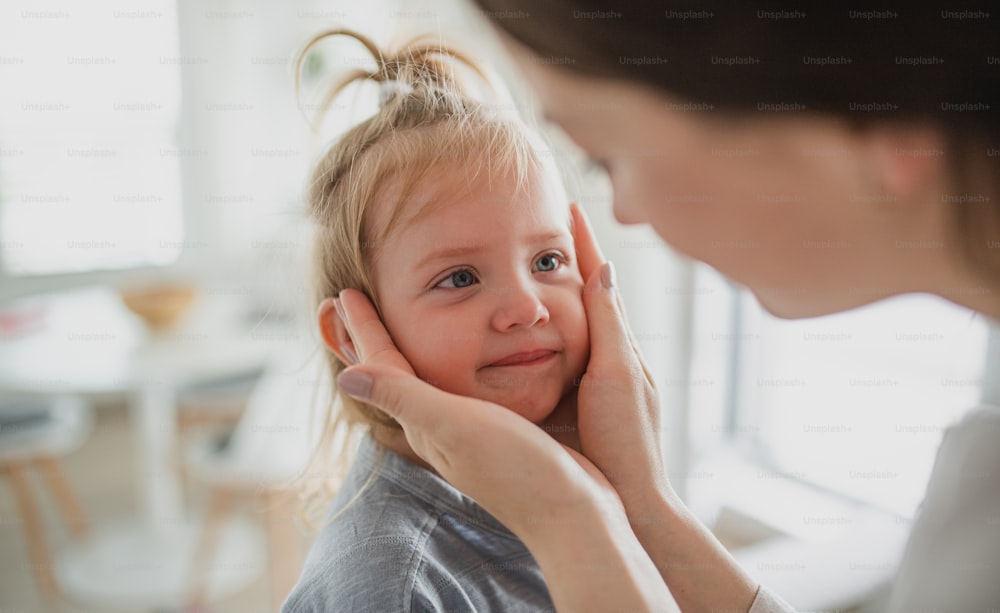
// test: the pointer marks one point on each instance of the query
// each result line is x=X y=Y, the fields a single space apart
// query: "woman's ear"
x=906 y=160
x=334 y=331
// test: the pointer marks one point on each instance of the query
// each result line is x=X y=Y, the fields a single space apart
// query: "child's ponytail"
x=420 y=68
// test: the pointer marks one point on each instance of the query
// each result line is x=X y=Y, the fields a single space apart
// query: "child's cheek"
x=420 y=345
x=442 y=357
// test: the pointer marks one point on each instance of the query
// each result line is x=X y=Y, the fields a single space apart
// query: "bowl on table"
x=161 y=305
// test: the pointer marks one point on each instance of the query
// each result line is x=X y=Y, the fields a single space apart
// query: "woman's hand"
x=619 y=420
x=617 y=406
x=554 y=499
x=509 y=465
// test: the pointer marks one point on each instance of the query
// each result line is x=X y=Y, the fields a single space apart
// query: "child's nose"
x=519 y=306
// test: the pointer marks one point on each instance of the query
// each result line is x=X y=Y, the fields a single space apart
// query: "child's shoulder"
x=387 y=502
x=409 y=541
x=385 y=494
x=369 y=575
x=416 y=571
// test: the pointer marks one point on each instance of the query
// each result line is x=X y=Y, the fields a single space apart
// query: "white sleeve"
x=766 y=602
x=952 y=557
x=952 y=562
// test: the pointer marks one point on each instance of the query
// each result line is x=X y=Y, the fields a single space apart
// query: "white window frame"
x=750 y=516
x=195 y=219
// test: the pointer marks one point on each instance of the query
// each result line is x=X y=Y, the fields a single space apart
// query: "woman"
x=875 y=129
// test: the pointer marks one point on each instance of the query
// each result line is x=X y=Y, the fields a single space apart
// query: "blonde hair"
x=428 y=118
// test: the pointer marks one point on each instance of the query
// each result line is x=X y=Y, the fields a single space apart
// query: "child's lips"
x=525 y=358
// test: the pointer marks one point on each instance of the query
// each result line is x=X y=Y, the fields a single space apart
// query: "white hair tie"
x=392 y=88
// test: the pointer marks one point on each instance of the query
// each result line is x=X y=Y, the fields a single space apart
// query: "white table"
x=92 y=345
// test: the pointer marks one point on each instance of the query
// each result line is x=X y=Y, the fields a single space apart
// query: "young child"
x=457 y=228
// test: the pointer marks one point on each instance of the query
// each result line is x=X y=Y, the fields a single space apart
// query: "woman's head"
x=432 y=207
x=824 y=159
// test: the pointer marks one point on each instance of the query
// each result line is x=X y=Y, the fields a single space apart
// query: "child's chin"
x=535 y=415
x=534 y=403
x=536 y=409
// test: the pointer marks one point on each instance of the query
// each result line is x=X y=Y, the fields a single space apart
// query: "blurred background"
x=160 y=372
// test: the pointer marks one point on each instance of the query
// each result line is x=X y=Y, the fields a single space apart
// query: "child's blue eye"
x=547 y=262
x=458 y=279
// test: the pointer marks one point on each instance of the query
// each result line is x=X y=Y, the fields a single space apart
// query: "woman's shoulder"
x=970 y=449
x=954 y=548
x=983 y=415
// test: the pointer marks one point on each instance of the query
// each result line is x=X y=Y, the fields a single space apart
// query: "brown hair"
x=428 y=119
x=909 y=64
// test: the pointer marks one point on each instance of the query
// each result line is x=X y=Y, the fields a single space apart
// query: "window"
x=89 y=169
x=854 y=403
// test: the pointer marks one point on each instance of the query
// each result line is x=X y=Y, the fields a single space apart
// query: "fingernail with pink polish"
x=608 y=277
x=355 y=384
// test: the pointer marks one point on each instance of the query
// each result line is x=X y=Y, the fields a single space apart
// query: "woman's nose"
x=519 y=306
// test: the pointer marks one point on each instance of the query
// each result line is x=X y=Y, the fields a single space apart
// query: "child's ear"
x=335 y=333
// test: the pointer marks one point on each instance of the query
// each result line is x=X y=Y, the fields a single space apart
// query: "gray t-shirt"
x=412 y=542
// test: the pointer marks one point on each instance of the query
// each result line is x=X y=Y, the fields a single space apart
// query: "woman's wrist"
x=701 y=573
x=649 y=503
x=592 y=560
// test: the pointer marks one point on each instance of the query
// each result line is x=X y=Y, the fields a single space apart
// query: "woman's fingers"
x=631 y=337
x=596 y=276
x=371 y=340
x=423 y=410
x=588 y=252
x=609 y=333
x=617 y=405
x=469 y=442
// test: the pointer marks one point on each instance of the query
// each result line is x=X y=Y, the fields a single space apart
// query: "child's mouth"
x=526 y=358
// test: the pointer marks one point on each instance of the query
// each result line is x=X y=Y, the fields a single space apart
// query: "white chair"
x=270 y=447
x=34 y=432
x=215 y=403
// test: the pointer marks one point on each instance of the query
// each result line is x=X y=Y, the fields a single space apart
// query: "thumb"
x=401 y=395
x=609 y=334
x=440 y=427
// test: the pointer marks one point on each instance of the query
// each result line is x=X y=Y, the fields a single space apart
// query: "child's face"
x=482 y=293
